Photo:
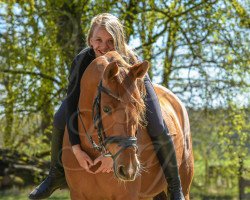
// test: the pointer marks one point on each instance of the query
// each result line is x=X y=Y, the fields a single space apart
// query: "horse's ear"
x=139 y=70
x=111 y=71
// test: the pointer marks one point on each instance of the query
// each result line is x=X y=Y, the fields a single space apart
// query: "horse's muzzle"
x=127 y=167
x=127 y=173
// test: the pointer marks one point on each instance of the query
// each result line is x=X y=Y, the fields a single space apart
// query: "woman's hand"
x=106 y=164
x=83 y=159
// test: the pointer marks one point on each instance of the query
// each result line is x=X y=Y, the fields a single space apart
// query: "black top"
x=79 y=65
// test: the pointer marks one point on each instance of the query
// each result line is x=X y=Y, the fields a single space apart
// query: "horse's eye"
x=106 y=109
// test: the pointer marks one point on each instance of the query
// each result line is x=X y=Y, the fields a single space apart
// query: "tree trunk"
x=8 y=110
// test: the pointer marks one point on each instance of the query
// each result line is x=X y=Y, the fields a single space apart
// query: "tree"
x=234 y=146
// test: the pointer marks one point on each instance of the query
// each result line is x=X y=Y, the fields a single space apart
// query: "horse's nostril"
x=121 y=170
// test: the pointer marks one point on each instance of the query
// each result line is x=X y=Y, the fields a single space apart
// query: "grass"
x=22 y=194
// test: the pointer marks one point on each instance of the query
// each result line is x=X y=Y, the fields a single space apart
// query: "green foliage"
x=221 y=149
x=234 y=139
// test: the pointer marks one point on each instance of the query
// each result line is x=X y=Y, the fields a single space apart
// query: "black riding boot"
x=56 y=178
x=165 y=152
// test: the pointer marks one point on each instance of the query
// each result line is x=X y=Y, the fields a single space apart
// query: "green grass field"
x=16 y=194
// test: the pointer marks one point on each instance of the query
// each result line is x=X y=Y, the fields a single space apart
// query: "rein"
x=103 y=140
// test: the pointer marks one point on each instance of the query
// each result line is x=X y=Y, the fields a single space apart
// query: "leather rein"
x=103 y=139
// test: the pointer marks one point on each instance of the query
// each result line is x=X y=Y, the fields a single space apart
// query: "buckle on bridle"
x=106 y=155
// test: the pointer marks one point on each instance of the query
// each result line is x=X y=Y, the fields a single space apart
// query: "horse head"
x=121 y=111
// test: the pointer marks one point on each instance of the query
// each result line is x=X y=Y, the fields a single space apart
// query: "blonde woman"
x=106 y=34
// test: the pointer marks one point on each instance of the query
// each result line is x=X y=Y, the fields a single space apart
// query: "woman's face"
x=101 y=41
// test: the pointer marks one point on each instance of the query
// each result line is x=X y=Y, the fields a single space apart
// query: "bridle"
x=103 y=140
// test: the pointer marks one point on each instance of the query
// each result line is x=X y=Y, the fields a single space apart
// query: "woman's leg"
x=56 y=177
x=162 y=142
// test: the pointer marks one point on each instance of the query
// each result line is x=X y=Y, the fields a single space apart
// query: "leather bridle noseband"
x=103 y=140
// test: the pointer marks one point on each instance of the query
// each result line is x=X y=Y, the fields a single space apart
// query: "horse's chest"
x=106 y=186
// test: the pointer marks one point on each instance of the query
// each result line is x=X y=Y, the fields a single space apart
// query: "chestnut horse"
x=111 y=121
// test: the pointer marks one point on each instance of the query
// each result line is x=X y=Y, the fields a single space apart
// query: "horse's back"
x=176 y=118
x=175 y=115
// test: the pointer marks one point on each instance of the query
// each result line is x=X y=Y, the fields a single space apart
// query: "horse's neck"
x=89 y=82
x=88 y=92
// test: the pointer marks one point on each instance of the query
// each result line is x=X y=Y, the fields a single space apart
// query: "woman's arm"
x=83 y=159
x=79 y=65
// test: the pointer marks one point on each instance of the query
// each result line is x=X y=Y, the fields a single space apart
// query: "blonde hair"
x=113 y=25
